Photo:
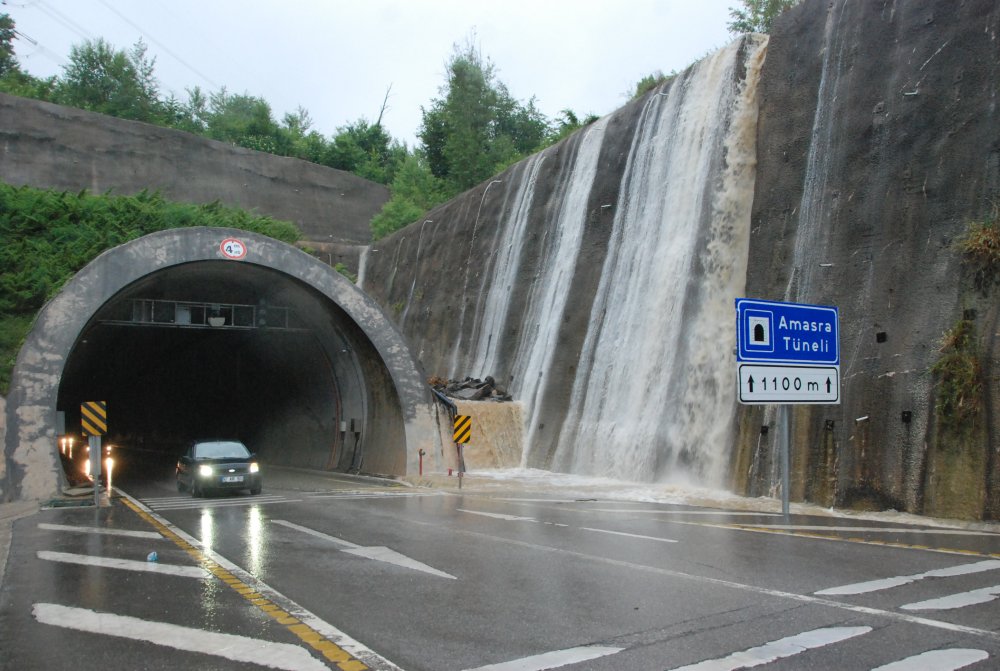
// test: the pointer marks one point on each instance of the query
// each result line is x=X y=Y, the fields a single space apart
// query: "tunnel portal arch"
x=291 y=318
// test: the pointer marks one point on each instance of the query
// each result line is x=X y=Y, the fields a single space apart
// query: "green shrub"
x=959 y=377
x=981 y=248
x=342 y=269
x=48 y=236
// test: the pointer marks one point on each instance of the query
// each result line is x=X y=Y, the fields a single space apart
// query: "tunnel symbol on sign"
x=758 y=332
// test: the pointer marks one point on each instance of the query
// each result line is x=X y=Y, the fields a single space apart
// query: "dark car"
x=216 y=465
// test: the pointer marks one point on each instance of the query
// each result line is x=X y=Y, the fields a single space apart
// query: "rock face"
x=879 y=142
x=51 y=146
x=877 y=145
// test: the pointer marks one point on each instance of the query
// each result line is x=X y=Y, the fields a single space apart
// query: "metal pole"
x=786 y=440
x=95 y=466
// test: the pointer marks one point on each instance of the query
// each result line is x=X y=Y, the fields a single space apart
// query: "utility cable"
x=64 y=20
x=159 y=44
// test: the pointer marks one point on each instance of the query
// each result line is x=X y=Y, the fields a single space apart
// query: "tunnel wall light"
x=906 y=416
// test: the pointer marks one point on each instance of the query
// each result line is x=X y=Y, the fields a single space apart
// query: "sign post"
x=462 y=435
x=787 y=354
x=94 y=422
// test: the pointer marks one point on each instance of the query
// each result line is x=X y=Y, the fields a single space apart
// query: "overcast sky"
x=337 y=58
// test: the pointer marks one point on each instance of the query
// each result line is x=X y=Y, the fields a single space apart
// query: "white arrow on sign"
x=764 y=383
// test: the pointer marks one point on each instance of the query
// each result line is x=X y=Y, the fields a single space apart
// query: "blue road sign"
x=774 y=332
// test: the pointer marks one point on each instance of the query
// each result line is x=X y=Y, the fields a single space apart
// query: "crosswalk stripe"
x=552 y=660
x=184 y=503
x=897 y=581
x=960 y=600
x=232 y=647
x=775 y=650
x=371 y=495
x=951 y=659
x=126 y=564
x=129 y=533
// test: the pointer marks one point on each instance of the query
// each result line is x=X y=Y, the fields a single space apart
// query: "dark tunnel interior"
x=219 y=350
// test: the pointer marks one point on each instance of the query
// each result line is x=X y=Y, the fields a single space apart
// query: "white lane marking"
x=622 y=533
x=499 y=516
x=378 y=553
x=98 y=530
x=552 y=660
x=126 y=564
x=384 y=554
x=960 y=600
x=897 y=581
x=230 y=646
x=891 y=530
x=727 y=513
x=353 y=647
x=729 y=584
x=950 y=659
x=775 y=650
x=317 y=534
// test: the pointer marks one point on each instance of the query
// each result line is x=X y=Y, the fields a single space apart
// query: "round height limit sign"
x=789 y=353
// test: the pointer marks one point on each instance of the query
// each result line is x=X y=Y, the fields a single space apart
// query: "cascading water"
x=550 y=292
x=507 y=266
x=654 y=399
x=653 y=394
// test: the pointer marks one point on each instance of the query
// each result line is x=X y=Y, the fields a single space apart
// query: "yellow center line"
x=330 y=650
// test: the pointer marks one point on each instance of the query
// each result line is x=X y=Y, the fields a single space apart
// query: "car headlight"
x=254 y=467
x=205 y=471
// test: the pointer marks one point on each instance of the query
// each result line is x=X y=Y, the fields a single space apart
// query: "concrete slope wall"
x=51 y=146
x=879 y=142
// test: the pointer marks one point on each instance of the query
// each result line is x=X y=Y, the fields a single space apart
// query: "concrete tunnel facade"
x=185 y=336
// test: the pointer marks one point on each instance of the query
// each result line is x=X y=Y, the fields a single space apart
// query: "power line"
x=66 y=22
x=39 y=48
x=159 y=44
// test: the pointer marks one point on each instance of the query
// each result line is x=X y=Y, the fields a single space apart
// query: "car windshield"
x=219 y=449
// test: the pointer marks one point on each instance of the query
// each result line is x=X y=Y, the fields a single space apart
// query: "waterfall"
x=654 y=396
x=547 y=302
x=507 y=269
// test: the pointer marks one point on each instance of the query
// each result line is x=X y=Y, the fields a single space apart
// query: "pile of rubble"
x=470 y=389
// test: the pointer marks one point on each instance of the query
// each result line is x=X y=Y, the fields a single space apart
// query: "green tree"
x=8 y=62
x=103 y=79
x=366 y=150
x=756 y=16
x=415 y=190
x=475 y=127
x=13 y=79
x=243 y=120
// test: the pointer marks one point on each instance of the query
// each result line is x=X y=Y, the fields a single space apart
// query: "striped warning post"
x=463 y=428
x=94 y=418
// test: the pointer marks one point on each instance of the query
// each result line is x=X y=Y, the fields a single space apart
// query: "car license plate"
x=232 y=478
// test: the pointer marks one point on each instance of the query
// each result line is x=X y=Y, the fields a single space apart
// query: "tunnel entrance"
x=184 y=342
x=219 y=350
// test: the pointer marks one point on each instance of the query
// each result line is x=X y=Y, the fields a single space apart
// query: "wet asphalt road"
x=324 y=571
